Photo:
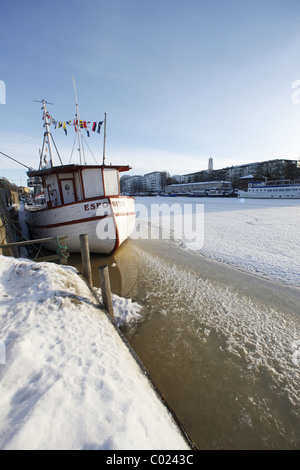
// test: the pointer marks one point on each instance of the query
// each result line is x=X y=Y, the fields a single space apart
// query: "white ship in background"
x=80 y=199
x=279 y=189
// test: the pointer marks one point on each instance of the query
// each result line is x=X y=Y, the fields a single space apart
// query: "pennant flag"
x=99 y=126
x=76 y=123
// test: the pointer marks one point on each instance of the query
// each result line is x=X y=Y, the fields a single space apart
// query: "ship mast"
x=104 y=139
x=77 y=122
x=47 y=135
x=47 y=132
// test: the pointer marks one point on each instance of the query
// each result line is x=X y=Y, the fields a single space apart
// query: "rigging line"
x=3 y=167
x=41 y=153
x=73 y=148
x=83 y=151
x=20 y=143
x=90 y=150
x=56 y=149
x=15 y=160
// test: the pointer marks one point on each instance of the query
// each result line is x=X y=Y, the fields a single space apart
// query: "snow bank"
x=125 y=311
x=68 y=381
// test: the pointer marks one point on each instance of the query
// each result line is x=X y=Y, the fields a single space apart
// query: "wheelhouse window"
x=111 y=182
x=92 y=181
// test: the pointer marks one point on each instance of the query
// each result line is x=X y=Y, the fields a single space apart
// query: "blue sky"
x=180 y=81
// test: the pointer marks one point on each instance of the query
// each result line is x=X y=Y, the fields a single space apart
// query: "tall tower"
x=210 y=163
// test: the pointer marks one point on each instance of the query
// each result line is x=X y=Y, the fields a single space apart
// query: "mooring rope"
x=60 y=247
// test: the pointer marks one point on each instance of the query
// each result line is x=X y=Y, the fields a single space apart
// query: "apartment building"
x=153 y=182
x=156 y=181
x=271 y=169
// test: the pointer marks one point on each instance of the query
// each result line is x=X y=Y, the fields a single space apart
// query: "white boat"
x=282 y=189
x=80 y=199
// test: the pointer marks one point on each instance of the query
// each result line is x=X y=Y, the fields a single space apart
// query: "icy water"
x=222 y=346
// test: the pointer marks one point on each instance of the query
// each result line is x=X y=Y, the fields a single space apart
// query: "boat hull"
x=289 y=192
x=108 y=222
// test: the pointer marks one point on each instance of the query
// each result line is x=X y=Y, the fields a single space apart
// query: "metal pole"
x=28 y=168
x=77 y=119
x=104 y=140
x=85 y=257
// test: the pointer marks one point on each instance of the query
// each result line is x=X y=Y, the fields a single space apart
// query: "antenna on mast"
x=77 y=121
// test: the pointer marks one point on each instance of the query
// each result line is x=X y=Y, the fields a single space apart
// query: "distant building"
x=177 y=178
x=270 y=169
x=201 y=188
x=158 y=181
x=131 y=184
x=153 y=182
x=245 y=180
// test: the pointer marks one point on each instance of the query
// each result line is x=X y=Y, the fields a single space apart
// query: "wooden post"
x=106 y=291
x=63 y=252
x=85 y=257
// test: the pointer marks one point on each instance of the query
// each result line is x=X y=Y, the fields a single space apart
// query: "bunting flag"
x=74 y=123
x=99 y=126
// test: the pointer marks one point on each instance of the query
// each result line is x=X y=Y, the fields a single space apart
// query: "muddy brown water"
x=222 y=346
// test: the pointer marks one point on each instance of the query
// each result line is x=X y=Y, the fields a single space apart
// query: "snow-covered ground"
x=67 y=379
x=254 y=235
